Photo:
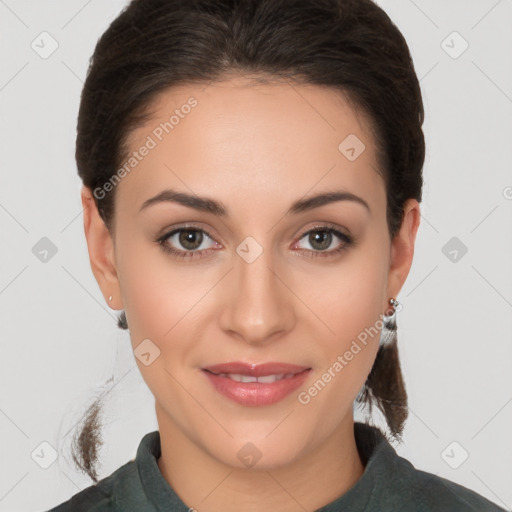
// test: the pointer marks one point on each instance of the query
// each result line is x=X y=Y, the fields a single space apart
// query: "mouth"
x=256 y=384
x=266 y=379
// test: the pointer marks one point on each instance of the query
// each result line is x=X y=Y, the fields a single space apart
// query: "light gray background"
x=60 y=341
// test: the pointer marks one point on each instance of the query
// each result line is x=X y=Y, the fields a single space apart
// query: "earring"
x=388 y=332
x=110 y=298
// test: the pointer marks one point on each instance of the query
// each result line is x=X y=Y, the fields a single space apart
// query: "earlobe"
x=101 y=250
x=402 y=248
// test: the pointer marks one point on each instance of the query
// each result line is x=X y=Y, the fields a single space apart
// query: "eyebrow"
x=208 y=205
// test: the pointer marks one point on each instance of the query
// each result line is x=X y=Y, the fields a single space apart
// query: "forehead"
x=240 y=135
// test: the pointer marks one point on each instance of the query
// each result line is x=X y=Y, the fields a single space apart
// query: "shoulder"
x=427 y=492
x=123 y=489
x=392 y=482
x=104 y=495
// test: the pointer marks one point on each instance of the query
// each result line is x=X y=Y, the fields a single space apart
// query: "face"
x=263 y=282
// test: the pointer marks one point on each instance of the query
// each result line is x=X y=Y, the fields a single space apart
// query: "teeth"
x=267 y=379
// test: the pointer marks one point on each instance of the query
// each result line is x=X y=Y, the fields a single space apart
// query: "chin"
x=259 y=452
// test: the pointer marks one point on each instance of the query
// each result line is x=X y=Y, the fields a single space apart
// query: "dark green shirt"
x=389 y=483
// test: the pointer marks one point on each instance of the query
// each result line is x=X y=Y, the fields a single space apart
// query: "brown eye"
x=185 y=242
x=190 y=238
x=322 y=237
x=321 y=240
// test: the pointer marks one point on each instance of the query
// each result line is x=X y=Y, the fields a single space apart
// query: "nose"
x=259 y=304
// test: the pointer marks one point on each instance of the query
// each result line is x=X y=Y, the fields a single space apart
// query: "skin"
x=257 y=149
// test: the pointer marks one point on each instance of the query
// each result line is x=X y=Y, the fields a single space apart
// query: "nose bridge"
x=259 y=305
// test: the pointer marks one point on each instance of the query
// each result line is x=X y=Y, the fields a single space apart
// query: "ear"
x=101 y=251
x=402 y=247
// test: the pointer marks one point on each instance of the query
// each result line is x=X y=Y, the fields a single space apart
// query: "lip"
x=256 y=394
x=255 y=370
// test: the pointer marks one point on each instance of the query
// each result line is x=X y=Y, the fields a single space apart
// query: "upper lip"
x=255 y=370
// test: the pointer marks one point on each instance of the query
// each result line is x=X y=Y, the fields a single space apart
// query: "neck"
x=311 y=481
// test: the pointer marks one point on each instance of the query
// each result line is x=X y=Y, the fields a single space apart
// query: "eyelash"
x=192 y=254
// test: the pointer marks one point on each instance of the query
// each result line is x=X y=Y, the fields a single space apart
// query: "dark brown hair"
x=351 y=46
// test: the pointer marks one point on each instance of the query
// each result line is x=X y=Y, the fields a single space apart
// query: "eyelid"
x=167 y=232
x=326 y=225
x=346 y=238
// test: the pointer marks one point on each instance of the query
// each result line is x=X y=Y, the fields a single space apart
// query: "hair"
x=350 y=46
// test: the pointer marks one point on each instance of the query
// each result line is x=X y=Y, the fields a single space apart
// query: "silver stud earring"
x=110 y=298
x=388 y=332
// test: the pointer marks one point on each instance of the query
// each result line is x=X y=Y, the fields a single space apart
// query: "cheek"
x=161 y=301
x=157 y=291
x=347 y=300
x=348 y=296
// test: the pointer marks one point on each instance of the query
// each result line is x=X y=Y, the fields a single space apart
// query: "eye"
x=322 y=237
x=190 y=238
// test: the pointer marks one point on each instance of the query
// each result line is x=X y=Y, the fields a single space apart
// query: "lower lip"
x=255 y=394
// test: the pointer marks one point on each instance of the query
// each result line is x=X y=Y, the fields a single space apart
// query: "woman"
x=252 y=175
